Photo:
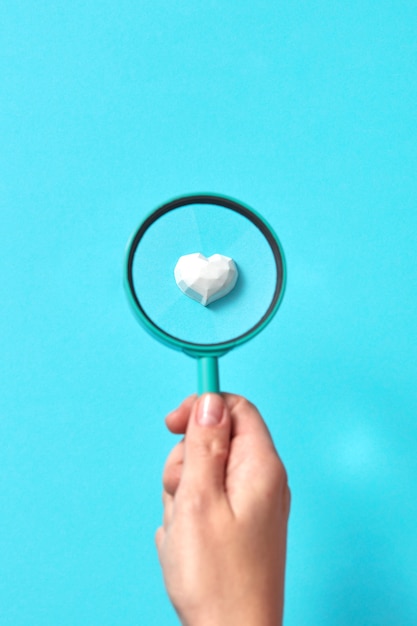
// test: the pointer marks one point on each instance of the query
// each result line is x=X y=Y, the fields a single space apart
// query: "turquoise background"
x=307 y=112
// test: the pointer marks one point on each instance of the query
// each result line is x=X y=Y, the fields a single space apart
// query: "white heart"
x=205 y=279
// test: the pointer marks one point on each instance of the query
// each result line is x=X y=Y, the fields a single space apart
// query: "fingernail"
x=210 y=410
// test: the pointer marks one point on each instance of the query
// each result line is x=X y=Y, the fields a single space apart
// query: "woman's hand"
x=226 y=504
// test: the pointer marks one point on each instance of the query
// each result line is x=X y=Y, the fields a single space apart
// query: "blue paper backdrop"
x=307 y=112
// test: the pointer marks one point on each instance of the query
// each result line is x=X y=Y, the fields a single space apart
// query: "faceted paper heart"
x=205 y=279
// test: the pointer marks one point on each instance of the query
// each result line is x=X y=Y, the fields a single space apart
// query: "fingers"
x=177 y=420
x=159 y=539
x=168 y=502
x=206 y=446
x=173 y=469
x=254 y=464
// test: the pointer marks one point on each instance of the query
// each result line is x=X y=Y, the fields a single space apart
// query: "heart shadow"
x=231 y=298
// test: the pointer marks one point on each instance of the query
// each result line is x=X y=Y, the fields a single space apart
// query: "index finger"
x=177 y=420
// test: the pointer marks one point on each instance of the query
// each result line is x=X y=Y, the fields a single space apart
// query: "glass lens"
x=208 y=229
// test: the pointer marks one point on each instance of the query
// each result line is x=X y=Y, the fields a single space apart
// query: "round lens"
x=206 y=227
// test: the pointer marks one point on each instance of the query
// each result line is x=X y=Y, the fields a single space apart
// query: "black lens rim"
x=228 y=203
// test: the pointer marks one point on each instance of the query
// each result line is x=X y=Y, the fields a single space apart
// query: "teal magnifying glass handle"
x=208 y=374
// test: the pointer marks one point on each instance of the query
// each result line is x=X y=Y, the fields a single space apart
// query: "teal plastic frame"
x=207 y=354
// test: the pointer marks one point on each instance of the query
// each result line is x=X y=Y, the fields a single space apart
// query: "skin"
x=226 y=501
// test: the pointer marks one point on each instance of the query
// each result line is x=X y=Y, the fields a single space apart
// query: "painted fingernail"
x=210 y=410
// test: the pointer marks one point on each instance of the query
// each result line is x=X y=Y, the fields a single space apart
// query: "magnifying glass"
x=204 y=274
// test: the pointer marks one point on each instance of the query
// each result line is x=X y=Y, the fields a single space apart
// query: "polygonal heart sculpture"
x=205 y=279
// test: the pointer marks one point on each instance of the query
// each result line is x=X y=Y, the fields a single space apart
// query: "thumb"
x=206 y=446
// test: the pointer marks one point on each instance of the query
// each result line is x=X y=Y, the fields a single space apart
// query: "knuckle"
x=278 y=481
x=194 y=502
x=279 y=475
x=245 y=405
x=215 y=448
x=219 y=449
x=282 y=487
